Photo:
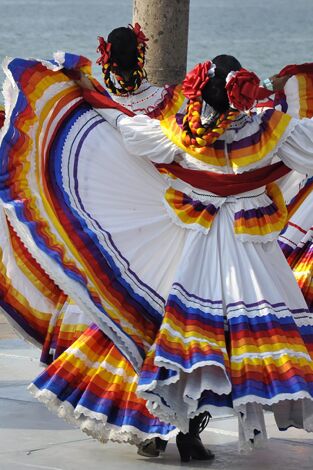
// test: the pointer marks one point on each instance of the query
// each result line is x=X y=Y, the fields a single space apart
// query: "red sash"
x=226 y=184
x=97 y=100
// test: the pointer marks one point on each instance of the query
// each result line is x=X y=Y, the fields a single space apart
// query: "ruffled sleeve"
x=144 y=137
x=297 y=149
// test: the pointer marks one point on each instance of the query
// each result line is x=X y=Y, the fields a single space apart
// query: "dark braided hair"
x=195 y=132
x=214 y=92
x=123 y=49
x=126 y=61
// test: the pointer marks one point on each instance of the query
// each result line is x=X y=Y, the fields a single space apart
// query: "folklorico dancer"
x=296 y=240
x=166 y=234
x=107 y=381
x=236 y=237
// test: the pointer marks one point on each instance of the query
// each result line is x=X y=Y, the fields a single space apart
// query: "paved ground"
x=6 y=331
x=31 y=438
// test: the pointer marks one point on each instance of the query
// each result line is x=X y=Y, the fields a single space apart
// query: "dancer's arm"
x=142 y=136
x=82 y=80
x=278 y=82
x=297 y=150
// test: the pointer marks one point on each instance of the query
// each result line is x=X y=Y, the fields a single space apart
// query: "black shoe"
x=160 y=444
x=152 y=447
x=190 y=445
x=199 y=423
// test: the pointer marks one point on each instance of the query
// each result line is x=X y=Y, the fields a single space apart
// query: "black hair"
x=214 y=92
x=123 y=48
x=126 y=62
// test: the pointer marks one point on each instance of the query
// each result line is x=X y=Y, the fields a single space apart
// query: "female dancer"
x=178 y=252
x=122 y=60
x=245 y=228
x=296 y=240
x=96 y=363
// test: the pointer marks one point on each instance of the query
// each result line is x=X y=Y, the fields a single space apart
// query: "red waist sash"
x=226 y=184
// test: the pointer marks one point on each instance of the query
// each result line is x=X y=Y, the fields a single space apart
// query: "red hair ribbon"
x=141 y=38
x=242 y=89
x=196 y=79
x=104 y=49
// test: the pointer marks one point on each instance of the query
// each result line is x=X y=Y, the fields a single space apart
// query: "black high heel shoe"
x=190 y=445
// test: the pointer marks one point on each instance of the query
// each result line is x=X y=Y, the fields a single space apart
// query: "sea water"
x=264 y=35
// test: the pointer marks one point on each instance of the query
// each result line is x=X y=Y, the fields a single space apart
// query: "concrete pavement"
x=6 y=331
x=32 y=438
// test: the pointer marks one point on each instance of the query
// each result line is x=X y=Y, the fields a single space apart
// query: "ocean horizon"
x=264 y=36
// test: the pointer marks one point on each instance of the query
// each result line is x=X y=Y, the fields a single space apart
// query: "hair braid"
x=134 y=80
x=199 y=135
x=123 y=55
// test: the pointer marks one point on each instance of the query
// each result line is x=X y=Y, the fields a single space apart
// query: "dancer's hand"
x=279 y=82
x=85 y=82
x=81 y=79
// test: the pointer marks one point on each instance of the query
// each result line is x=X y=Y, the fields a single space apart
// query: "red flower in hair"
x=141 y=38
x=242 y=89
x=196 y=79
x=105 y=50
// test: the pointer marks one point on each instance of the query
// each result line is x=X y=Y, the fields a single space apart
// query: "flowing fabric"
x=296 y=240
x=56 y=333
x=30 y=300
x=161 y=266
x=92 y=386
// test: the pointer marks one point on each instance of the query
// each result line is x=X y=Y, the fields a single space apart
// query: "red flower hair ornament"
x=197 y=78
x=242 y=89
x=141 y=38
x=104 y=49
